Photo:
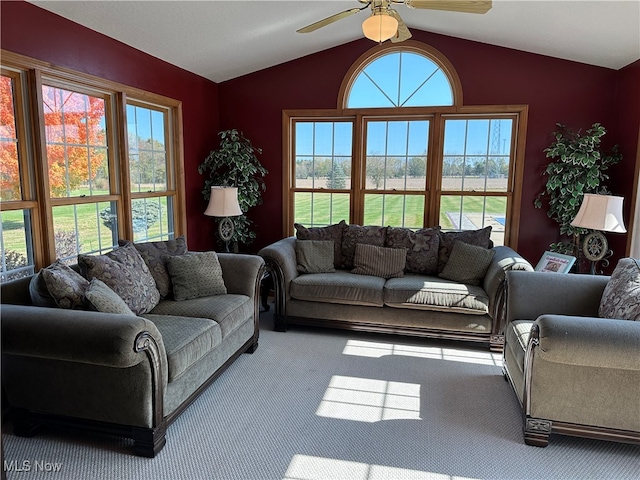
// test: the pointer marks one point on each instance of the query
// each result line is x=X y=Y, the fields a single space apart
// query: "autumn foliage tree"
x=9 y=174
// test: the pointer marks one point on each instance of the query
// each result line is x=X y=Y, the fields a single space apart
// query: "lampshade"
x=223 y=202
x=600 y=212
x=380 y=26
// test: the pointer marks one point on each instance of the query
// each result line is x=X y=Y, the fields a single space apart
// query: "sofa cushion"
x=58 y=286
x=339 y=287
x=379 y=261
x=100 y=297
x=422 y=248
x=154 y=253
x=331 y=232
x=621 y=295
x=354 y=234
x=230 y=311
x=479 y=237
x=195 y=275
x=467 y=263
x=186 y=340
x=433 y=293
x=125 y=272
x=315 y=256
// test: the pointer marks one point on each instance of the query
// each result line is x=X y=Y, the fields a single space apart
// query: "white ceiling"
x=220 y=40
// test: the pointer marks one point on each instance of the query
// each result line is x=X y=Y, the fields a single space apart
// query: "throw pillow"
x=422 y=248
x=195 y=275
x=315 y=256
x=332 y=232
x=467 y=263
x=621 y=296
x=480 y=237
x=153 y=254
x=379 y=261
x=125 y=272
x=101 y=298
x=355 y=234
x=58 y=286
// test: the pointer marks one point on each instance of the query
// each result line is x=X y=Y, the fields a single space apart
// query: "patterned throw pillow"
x=153 y=254
x=58 y=285
x=101 y=298
x=422 y=248
x=355 y=234
x=332 y=232
x=467 y=263
x=621 y=296
x=195 y=275
x=379 y=261
x=125 y=272
x=480 y=238
x=315 y=256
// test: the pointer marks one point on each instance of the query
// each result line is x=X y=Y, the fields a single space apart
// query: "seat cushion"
x=230 y=311
x=186 y=340
x=339 y=287
x=433 y=293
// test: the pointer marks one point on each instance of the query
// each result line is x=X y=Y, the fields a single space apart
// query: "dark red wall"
x=37 y=33
x=575 y=94
x=555 y=90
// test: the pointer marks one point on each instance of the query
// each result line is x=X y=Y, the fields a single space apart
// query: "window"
x=85 y=162
x=402 y=150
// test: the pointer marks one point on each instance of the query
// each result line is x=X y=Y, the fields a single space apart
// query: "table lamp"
x=600 y=213
x=223 y=203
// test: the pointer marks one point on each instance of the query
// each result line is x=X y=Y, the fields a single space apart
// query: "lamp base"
x=225 y=230
x=595 y=249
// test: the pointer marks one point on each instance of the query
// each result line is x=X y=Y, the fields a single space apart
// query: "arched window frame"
x=433 y=192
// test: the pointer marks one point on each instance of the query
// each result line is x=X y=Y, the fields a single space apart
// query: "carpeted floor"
x=316 y=404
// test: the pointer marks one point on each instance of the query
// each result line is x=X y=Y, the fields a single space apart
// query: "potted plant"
x=235 y=164
x=579 y=167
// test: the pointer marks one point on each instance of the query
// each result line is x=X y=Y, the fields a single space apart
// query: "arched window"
x=401 y=149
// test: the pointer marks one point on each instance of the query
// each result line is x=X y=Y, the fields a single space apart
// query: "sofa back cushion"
x=421 y=245
x=331 y=232
x=621 y=296
x=379 y=261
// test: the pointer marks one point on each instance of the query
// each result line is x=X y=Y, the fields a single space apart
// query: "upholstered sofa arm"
x=281 y=260
x=241 y=273
x=79 y=336
x=560 y=294
x=505 y=259
x=588 y=341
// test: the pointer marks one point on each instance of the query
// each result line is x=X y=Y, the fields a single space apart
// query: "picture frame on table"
x=555 y=262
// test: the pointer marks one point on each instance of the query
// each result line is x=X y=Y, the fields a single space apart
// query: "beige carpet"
x=316 y=404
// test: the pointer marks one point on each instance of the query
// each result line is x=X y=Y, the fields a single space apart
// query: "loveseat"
x=427 y=282
x=108 y=352
x=572 y=353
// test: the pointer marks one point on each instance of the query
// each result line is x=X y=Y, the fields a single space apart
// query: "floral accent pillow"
x=153 y=254
x=621 y=296
x=58 y=285
x=126 y=273
x=355 y=234
x=480 y=238
x=332 y=232
x=422 y=248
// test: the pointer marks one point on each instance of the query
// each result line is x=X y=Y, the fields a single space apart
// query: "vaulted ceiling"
x=221 y=40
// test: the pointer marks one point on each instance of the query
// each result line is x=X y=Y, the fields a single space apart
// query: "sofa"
x=572 y=353
x=426 y=282
x=106 y=351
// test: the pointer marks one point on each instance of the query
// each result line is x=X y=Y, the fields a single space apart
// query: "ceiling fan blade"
x=465 y=6
x=329 y=20
x=403 y=32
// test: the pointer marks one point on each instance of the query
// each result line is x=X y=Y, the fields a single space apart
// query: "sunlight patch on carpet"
x=369 y=400
x=305 y=467
x=377 y=349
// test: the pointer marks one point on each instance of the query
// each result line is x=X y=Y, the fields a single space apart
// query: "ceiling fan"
x=385 y=22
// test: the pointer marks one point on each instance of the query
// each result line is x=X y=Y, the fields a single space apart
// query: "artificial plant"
x=235 y=164
x=579 y=167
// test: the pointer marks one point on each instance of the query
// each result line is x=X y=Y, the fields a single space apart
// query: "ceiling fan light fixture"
x=380 y=26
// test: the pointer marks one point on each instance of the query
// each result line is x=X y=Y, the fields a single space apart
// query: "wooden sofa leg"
x=496 y=343
x=147 y=442
x=23 y=424
x=536 y=432
x=253 y=347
